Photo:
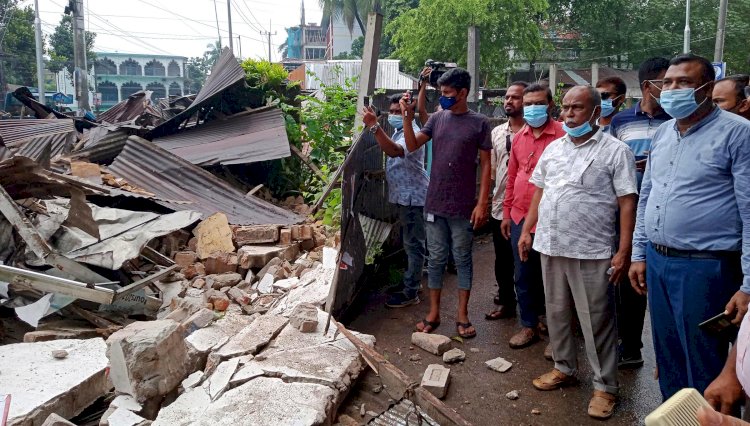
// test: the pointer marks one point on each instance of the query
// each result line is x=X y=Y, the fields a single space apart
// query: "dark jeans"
x=528 y=280
x=504 y=266
x=413 y=233
x=445 y=235
x=631 y=313
x=682 y=293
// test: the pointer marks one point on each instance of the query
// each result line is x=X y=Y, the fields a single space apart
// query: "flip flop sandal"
x=465 y=325
x=425 y=323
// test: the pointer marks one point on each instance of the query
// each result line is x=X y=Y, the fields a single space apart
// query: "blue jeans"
x=682 y=293
x=528 y=280
x=413 y=234
x=446 y=235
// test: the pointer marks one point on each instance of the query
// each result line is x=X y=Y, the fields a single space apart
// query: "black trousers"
x=503 y=266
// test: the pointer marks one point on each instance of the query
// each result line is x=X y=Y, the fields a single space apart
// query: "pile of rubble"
x=151 y=286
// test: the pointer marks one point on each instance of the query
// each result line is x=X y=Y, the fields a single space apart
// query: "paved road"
x=477 y=393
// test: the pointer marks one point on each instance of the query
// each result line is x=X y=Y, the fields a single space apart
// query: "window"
x=130 y=67
x=173 y=69
x=315 y=53
x=160 y=92
x=105 y=66
x=129 y=88
x=155 y=68
x=174 y=89
x=108 y=91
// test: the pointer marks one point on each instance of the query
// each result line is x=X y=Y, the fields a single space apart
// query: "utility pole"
x=39 y=62
x=79 y=56
x=239 y=41
x=268 y=34
x=553 y=79
x=686 y=44
x=720 y=32
x=370 y=55
x=218 y=31
x=229 y=13
x=594 y=73
x=473 y=63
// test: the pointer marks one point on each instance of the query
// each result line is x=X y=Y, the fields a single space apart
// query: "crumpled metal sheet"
x=137 y=106
x=30 y=138
x=242 y=138
x=170 y=177
x=123 y=233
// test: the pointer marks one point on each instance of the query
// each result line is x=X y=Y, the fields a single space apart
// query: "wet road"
x=476 y=392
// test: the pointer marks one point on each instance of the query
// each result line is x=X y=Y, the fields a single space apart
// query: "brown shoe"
x=602 y=405
x=524 y=338
x=555 y=379
x=548 y=352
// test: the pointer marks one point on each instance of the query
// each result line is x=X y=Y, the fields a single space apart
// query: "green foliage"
x=271 y=78
x=61 y=47
x=19 y=65
x=196 y=70
x=437 y=29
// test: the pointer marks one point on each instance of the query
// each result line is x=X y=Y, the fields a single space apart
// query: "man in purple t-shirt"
x=451 y=209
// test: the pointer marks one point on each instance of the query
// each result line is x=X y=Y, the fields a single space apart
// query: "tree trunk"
x=359 y=21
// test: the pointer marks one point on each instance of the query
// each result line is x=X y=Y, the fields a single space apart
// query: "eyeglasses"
x=657 y=83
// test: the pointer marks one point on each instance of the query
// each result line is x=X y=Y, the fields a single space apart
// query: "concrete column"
x=473 y=63
x=119 y=94
x=553 y=78
x=369 y=62
x=594 y=73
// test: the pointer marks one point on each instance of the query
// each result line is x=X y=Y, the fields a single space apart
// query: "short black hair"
x=457 y=78
x=620 y=87
x=536 y=87
x=519 y=83
x=651 y=68
x=708 y=73
x=396 y=98
x=740 y=81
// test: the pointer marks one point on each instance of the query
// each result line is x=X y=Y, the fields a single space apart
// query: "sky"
x=183 y=27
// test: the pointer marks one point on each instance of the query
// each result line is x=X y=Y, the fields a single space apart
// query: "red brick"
x=255 y=234
x=194 y=270
x=285 y=237
x=185 y=258
x=219 y=263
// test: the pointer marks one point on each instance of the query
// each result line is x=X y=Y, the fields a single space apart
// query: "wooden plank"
x=398 y=383
x=307 y=161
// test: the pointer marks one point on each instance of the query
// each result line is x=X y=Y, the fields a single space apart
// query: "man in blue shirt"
x=691 y=248
x=407 y=188
x=636 y=126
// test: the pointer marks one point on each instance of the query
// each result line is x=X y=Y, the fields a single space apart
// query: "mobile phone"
x=720 y=325
x=367 y=101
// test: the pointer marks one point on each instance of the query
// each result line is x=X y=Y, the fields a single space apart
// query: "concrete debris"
x=253 y=337
x=220 y=263
x=213 y=235
x=228 y=279
x=192 y=380
x=265 y=285
x=60 y=354
x=499 y=364
x=55 y=420
x=220 y=378
x=513 y=395
x=198 y=320
x=304 y=318
x=79 y=380
x=415 y=358
x=433 y=343
x=148 y=359
x=255 y=234
x=453 y=356
x=127 y=402
x=436 y=380
x=124 y=417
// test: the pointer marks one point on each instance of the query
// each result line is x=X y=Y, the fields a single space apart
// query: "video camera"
x=438 y=69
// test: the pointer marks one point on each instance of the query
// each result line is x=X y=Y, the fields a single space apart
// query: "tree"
x=61 y=50
x=196 y=70
x=18 y=51
x=349 y=10
x=437 y=29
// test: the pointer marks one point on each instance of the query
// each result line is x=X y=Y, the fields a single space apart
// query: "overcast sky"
x=183 y=27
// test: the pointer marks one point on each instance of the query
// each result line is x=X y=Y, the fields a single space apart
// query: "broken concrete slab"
x=192 y=380
x=454 y=355
x=245 y=374
x=55 y=420
x=79 y=380
x=434 y=343
x=499 y=364
x=286 y=284
x=304 y=318
x=198 y=320
x=258 y=402
x=219 y=380
x=265 y=285
x=258 y=256
x=313 y=288
x=215 y=335
x=148 y=358
x=124 y=417
x=253 y=337
x=213 y=235
x=436 y=379
x=127 y=402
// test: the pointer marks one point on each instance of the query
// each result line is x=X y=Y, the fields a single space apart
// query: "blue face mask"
x=396 y=121
x=680 y=103
x=583 y=129
x=607 y=107
x=535 y=115
x=447 y=102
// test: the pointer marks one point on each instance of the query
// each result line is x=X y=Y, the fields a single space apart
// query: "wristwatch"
x=374 y=128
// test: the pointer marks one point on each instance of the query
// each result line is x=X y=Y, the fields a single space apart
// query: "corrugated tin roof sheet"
x=158 y=171
x=225 y=73
x=336 y=72
x=135 y=106
x=30 y=138
x=105 y=148
x=242 y=138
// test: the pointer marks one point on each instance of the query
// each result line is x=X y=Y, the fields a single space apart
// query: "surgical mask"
x=396 y=121
x=607 y=107
x=447 y=102
x=583 y=129
x=680 y=103
x=535 y=115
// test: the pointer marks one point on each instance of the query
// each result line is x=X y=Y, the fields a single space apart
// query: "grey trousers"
x=581 y=285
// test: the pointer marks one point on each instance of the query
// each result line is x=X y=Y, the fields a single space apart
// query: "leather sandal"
x=465 y=326
x=602 y=405
x=555 y=379
x=501 y=312
x=524 y=338
x=426 y=323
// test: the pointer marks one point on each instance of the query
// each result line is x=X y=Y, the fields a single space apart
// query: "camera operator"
x=451 y=208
